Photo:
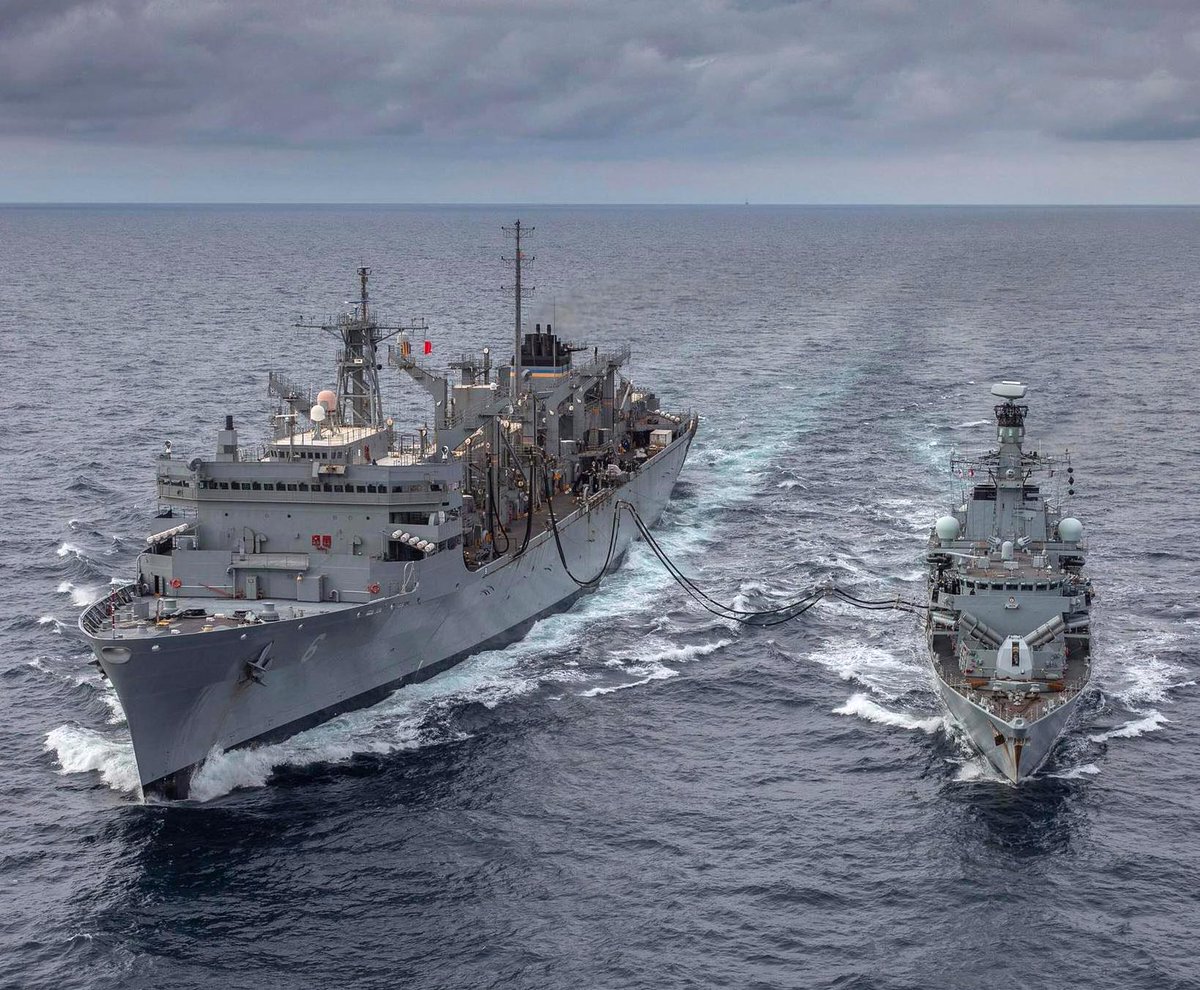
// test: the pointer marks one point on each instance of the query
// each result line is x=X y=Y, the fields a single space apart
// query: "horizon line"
x=546 y=205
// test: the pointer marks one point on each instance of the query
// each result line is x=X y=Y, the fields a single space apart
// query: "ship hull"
x=200 y=693
x=1016 y=750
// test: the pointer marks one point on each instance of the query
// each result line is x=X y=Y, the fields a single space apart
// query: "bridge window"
x=409 y=518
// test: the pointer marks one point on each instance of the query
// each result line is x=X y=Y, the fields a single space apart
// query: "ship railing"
x=601 y=361
x=100 y=615
x=299 y=397
x=254 y=452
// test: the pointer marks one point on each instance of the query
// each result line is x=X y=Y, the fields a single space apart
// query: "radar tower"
x=359 y=397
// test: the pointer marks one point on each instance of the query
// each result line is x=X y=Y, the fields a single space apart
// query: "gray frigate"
x=344 y=559
x=1009 y=603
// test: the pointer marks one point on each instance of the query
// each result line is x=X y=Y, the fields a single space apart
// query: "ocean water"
x=638 y=794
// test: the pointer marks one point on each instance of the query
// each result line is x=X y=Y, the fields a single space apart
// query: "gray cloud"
x=692 y=74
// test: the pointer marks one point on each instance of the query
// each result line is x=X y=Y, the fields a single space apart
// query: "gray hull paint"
x=192 y=696
x=1022 y=749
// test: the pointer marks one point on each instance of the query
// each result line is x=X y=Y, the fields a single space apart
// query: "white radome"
x=1070 y=530
x=947 y=528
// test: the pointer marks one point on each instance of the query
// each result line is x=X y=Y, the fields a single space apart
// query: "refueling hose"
x=766 y=617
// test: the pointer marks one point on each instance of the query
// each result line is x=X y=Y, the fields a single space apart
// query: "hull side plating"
x=198 y=693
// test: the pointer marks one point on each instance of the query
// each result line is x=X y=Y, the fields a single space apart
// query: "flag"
x=429 y=347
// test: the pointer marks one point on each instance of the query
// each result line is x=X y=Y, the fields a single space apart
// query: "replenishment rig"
x=285 y=585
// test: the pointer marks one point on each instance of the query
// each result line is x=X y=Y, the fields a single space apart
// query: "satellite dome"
x=327 y=398
x=1070 y=530
x=947 y=528
x=317 y=413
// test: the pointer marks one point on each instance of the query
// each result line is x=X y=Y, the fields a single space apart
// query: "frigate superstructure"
x=285 y=585
x=1009 y=604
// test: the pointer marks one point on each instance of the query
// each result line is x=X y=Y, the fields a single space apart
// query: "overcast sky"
x=796 y=101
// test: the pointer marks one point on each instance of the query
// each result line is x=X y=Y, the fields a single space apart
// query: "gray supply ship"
x=1008 y=620
x=345 y=559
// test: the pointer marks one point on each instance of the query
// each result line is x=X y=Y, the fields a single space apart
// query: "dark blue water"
x=638 y=795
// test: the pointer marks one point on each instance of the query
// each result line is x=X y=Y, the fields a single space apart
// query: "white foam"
x=657 y=673
x=80 y=750
x=653 y=666
x=792 y=483
x=81 y=594
x=888 y=673
x=1075 y=773
x=1137 y=675
x=116 y=713
x=972 y=424
x=69 y=550
x=45 y=620
x=977 y=769
x=863 y=707
x=1150 y=722
x=680 y=654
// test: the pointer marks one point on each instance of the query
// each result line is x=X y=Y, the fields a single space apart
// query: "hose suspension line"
x=612 y=540
x=765 y=618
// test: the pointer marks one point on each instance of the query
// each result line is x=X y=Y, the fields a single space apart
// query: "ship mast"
x=359 y=398
x=518 y=260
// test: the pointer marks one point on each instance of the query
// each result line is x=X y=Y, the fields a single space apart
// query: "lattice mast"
x=359 y=399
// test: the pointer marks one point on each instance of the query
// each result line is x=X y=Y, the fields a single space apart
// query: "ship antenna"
x=359 y=395
x=518 y=260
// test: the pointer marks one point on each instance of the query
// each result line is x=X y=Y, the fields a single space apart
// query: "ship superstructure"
x=1009 y=603
x=345 y=558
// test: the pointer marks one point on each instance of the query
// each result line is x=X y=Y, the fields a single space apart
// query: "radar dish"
x=317 y=413
x=1008 y=390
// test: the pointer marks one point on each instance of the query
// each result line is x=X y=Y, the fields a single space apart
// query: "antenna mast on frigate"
x=358 y=363
x=519 y=292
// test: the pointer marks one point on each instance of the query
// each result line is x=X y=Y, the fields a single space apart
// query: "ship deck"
x=564 y=505
x=1004 y=704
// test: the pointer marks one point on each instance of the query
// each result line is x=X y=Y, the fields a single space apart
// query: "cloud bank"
x=692 y=80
